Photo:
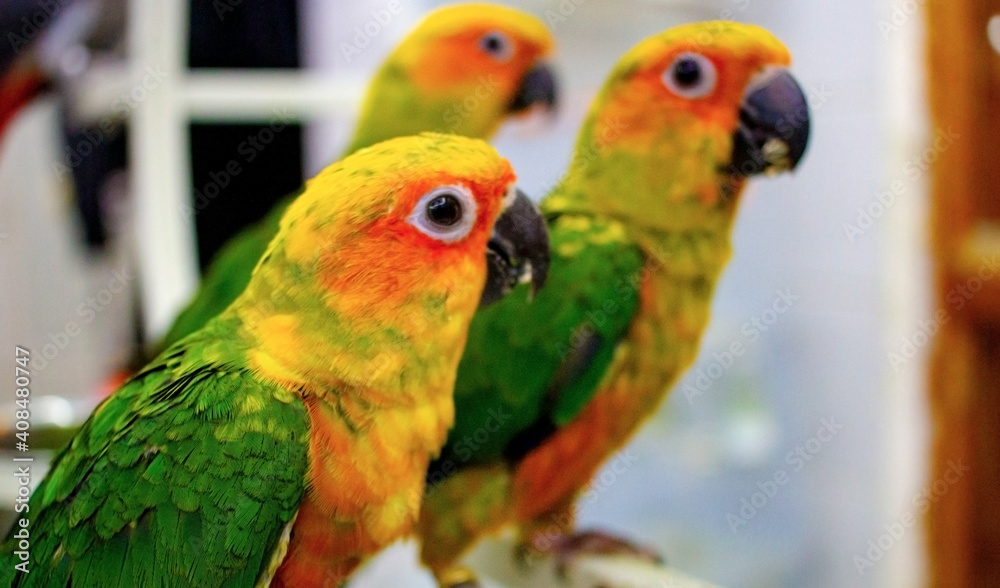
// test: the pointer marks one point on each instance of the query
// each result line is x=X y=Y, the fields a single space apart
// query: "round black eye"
x=444 y=210
x=687 y=72
x=691 y=76
x=497 y=45
x=445 y=213
x=492 y=43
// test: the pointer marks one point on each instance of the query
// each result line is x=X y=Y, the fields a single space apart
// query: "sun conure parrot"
x=289 y=438
x=463 y=70
x=640 y=230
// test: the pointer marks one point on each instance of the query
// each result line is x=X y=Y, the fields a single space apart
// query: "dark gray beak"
x=518 y=250
x=774 y=126
x=537 y=87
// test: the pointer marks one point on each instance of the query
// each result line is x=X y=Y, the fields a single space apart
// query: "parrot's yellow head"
x=684 y=112
x=698 y=71
x=391 y=248
x=463 y=70
x=406 y=215
x=700 y=80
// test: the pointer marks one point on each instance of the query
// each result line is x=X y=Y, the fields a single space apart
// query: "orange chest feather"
x=366 y=477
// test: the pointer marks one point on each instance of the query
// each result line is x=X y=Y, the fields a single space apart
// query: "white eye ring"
x=446 y=213
x=497 y=45
x=690 y=75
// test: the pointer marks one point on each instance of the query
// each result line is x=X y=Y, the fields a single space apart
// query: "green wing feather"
x=184 y=477
x=532 y=365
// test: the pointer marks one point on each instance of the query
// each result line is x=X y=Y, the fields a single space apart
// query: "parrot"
x=640 y=229
x=462 y=70
x=288 y=439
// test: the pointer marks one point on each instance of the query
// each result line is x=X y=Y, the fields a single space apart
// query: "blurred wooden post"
x=964 y=90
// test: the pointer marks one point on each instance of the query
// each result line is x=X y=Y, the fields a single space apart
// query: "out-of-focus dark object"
x=963 y=489
x=50 y=46
x=240 y=170
x=20 y=23
x=21 y=77
x=88 y=32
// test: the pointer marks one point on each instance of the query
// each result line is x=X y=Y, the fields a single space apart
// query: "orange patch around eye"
x=396 y=260
x=458 y=66
x=639 y=107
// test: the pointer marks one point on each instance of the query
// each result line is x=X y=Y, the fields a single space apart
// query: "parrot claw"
x=568 y=548
x=458 y=577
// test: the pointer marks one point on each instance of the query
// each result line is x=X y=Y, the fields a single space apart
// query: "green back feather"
x=517 y=346
x=617 y=209
x=184 y=477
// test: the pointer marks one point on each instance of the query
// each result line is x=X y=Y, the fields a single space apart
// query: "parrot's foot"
x=458 y=577
x=568 y=548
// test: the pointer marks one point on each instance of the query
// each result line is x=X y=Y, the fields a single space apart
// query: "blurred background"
x=851 y=445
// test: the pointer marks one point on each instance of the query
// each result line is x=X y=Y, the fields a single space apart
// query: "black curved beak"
x=518 y=250
x=538 y=86
x=774 y=126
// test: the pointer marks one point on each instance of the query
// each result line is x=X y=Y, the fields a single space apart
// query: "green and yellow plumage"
x=154 y=487
x=437 y=79
x=640 y=232
x=287 y=439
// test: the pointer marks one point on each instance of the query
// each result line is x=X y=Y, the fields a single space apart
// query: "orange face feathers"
x=468 y=44
x=385 y=219
x=685 y=116
x=647 y=90
x=463 y=70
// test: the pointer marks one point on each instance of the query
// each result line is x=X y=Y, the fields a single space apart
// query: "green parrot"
x=288 y=439
x=463 y=70
x=640 y=231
